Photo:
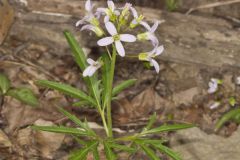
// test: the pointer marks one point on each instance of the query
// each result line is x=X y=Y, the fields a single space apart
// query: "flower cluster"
x=118 y=21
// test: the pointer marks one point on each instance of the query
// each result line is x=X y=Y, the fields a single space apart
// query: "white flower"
x=89 y=17
x=116 y=38
x=149 y=35
x=91 y=69
x=213 y=85
x=137 y=19
x=110 y=12
x=149 y=56
x=99 y=32
x=238 y=80
x=215 y=105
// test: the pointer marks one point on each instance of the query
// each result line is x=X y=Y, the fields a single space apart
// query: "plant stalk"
x=109 y=114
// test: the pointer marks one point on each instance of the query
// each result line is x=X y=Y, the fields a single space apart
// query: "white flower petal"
x=144 y=24
x=159 y=50
x=153 y=39
x=102 y=10
x=111 y=5
x=91 y=61
x=92 y=70
x=88 y=27
x=86 y=71
x=88 y=6
x=134 y=12
x=154 y=27
x=106 y=19
x=127 y=38
x=82 y=21
x=111 y=28
x=155 y=65
x=134 y=22
x=120 y=48
x=105 y=41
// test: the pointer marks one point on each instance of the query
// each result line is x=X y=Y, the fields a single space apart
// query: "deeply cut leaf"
x=4 y=84
x=123 y=85
x=24 y=95
x=77 y=121
x=150 y=153
x=67 y=89
x=108 y=151
x=166 y=128
x=61 y=129
x=167 y=151
x=82 y=153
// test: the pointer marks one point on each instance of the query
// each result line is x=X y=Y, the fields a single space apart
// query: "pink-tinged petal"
x=82 y=21
x=111 y=5
x=111 y=28
x=159 y=50
x=154 y=27
x=88 y=6
x=127 y=38
x=155 y=65
x=102 y=10
x=134 y=22
x=120 y=48
x=86 y=71
x=90 y=61
x=145 y=25
x=92 y=71
x=88 y=27
x=106 y=19
x=153 y=39
x=105 y=41
x=134 y=12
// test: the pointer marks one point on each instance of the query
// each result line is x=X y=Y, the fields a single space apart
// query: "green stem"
x=104 y=123
x=109 y=114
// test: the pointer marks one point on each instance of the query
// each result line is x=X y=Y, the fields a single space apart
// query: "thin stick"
x=212 y=5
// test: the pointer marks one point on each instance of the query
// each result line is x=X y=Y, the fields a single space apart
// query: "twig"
x=212 y=5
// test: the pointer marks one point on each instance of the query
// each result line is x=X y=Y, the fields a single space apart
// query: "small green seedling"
x=22 y=94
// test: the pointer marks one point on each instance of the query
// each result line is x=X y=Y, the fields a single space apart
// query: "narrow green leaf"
x=24 y=95
x=95 y=153
x=67 y=89
x=4 y=84
x=82 y=153
x=61 y=129
x=81 y=103
x=108 y=151
x=167 y=151
x=122 y=147
x=77 y=51
x=166 y=128
x=72 y=117
x=150 y=153
x=106 y=78
x=80 y=59
x=122 y=86
x=153 y=141
x=151 y=121
x=226 y=117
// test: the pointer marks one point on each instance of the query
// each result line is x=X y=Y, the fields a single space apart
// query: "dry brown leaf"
x=48 y=142
x=6 y=19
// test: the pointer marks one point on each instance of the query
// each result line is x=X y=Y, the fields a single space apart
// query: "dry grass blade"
x=212 y=5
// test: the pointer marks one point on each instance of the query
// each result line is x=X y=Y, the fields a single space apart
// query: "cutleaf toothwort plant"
x=113 y=27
